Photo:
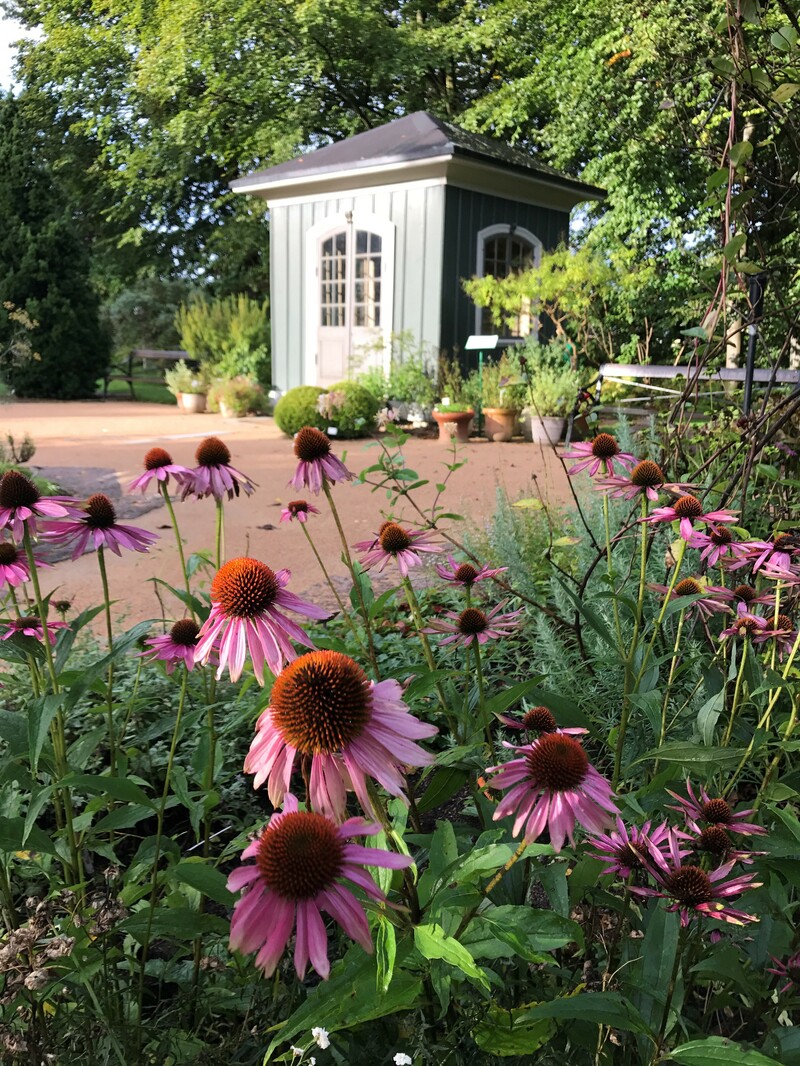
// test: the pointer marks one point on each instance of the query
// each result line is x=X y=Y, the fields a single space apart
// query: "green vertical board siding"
x=466 y=214
x=418 y=216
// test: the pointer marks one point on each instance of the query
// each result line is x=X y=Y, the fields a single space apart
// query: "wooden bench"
x=625 y=373
x=124 y=371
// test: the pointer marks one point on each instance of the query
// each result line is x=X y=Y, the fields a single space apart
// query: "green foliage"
x=298 y=408
x=241 y=396
x=349 y=407
x=552 y=392
x=183 y=378
x=44 y=270
x=142 y=315
x=229 y=336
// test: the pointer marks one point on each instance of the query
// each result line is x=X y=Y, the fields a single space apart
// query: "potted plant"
x=501 y=391
x=237 y=397
x=552 y=395
x=453 y=413
x=188 y=386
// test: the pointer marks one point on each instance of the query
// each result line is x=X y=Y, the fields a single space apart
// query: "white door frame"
x=385 y=229
x=497 y=230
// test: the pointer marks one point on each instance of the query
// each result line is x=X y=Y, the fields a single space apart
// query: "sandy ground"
x=99 y=446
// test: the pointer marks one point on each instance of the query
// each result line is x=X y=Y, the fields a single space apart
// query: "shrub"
x=298 y=408
x=375 y=381
x=182 y=378
x=410 y=383
x=230 y=337
x=241 y=396
x=350 y=408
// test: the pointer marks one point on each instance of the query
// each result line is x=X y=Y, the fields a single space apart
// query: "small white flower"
x=296 y=1050
x=320 y=1036
x=401 y=1059
x=312 y=1061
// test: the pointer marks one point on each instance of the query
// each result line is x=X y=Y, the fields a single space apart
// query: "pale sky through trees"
x=10 y=31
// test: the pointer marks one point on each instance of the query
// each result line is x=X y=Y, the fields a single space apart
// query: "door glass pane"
x=333 y=279
x=362 y=241
x=506 y=254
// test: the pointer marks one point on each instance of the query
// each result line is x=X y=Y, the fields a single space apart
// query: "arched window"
x=505 y=249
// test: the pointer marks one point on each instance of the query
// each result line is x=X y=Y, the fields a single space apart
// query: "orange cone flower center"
x=539 y=720
x=16 y=490
x=745 y=593
x=8 y=554
x=321 y=702
x=296 y=507
x=647 y=475
x=185 y=632
x=558 y=763
x=300 y=856
x=688 y=587
x=311 y=444
x=604 y=446
x=466 y=573
x=100 y=513
x=690 y=885
x=213 y=452
x=715 y=840
x=393 y=538
x=244 y=588
x=717 y=811
x=688 y=507
x=472 y=621
x=156 y=458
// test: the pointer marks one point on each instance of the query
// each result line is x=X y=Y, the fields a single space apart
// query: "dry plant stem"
x=345 y=613
x=737 y=693
x=112 y=742
x=173 y=519
x=498 y=877
x=159 y=833
x=73 y=868
x=356 y=583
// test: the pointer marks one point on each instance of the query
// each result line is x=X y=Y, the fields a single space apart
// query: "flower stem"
x=476 y=649
x=345 y=613
x=173 y=519
x=220 y=533
x=672 y=667
x=737 y=692
x=159 y=833
x=357 y=584
x=112 y=744
x=610 y=565
x=416 y=614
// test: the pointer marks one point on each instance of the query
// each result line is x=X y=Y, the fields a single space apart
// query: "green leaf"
x=41 y=713
x=13 y=832
x=512 y=1032
x=784 y=38
x=514 y=930
x=602 y=1008
x=442 y=855
x=177 y=923
x=785 y=92
x=121 y=788
x=443 y=785
x=348 y=998
x=385 y=954
x=14 y=731
x=432 y=943
x=206 y=879
x=734 y=246
x=717 y=1051
x=686 y=754
x=508 y=697
x=708 y=715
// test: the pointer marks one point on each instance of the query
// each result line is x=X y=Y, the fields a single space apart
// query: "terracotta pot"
x=453 y=424
x=193 y=403
x=546 y=430
x=499 y=423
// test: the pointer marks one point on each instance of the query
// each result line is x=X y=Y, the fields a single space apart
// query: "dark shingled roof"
x=414 y=137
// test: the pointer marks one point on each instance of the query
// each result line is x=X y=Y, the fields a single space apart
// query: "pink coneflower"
x=21 y=504
x=782 y=630
x=788 y=971
x=538 y=720
x=245 y=600
x=786 y=575
x=298 y=509
x=317 y=463
x=99 y=528
x=714 y=841
x=779 y=553
x=158 y=466
x=395 y=542
x=214 y=476
x=710 y=600
x=745 y=624
x=627 y=849
x=695 y=891
x=646 y=477
x=474 y=624
x=597 y=454
x=718 y=543
x=715 y=811
x=687 y=510
x=176 y=646
x=31 y=626
x=747 y=595
x=465 y=574
x=324 y=708
x=552 y=785
x=14 y=569
x=301 y=859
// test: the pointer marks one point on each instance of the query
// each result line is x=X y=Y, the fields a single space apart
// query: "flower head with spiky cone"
x=247 y=604
x=745 y=623
x=717 y=543
x=158 y=466
x=465 y=574
x=552 y=785
x=687 y=510
x=316 y=462
x=14 y=569
x=646 y=478
x=31 y=626
x=711 y=599
x=788 y=971
x=325 y=709
x=709 y=810
x=175 y=647
x=298 y=509
x=474 y=624
x=539 y=720
x=214 y=475
x=22 y=505
x=99 y=528
x=303 y=862
x=626 y=848
x=599 y=454
x=695 y=892
x=395 y=542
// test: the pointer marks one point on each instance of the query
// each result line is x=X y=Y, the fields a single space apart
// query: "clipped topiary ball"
x=298 y=408
x=352 y=409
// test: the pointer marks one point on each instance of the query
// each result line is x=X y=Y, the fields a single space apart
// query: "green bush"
x=350 y=408
x=230 y=337
x=298 y=408
x=241 y=397
x=375 y=381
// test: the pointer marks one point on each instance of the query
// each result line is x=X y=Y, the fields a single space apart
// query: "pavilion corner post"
x=758 y=283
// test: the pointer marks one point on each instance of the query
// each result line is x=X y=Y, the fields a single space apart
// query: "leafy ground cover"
x=544 y=803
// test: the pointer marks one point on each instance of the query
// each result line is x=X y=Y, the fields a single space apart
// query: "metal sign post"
x=481 y=342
